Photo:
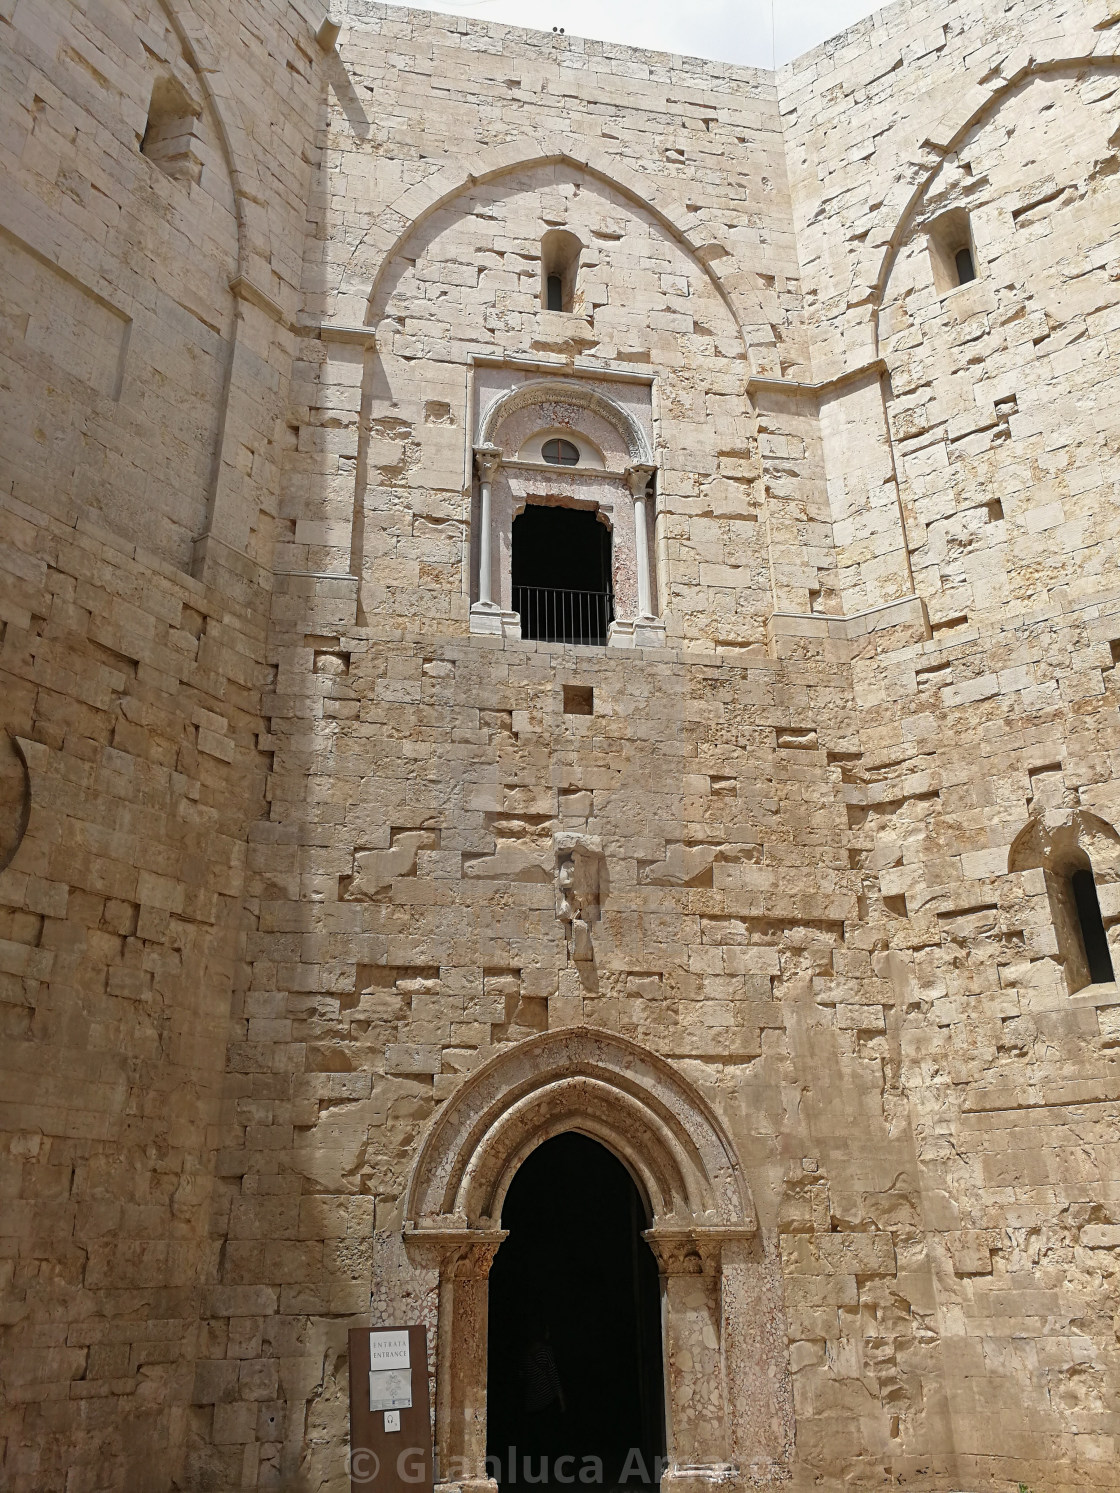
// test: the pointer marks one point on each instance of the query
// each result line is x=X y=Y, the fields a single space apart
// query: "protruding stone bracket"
x=578 y=861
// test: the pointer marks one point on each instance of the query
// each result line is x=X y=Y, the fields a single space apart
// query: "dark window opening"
x=575 y=1326
x=1093 y=936
x=561 y=574
x=555 y=293
x=952 y=255
x=966 y=270
x=560 y=453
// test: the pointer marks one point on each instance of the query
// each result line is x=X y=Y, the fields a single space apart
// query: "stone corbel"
x=578 y=861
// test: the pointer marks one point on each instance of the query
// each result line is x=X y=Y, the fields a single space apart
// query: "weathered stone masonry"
x=325 y=896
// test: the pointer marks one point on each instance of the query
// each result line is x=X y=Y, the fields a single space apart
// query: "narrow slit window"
x=560 y=251
x=1093 y=937
x=951 y=251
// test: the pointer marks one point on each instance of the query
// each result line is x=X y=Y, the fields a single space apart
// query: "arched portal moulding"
x=728 y=1405
x=1086 y=48
x=390 y=232
x=563 y=391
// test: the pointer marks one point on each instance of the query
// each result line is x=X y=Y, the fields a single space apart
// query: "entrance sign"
x=388 y=1350
x=390 y=1424
x=390 y=1377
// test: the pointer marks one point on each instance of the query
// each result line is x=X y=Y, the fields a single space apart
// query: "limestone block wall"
x=429 y=225
x=147 y=303
x=408 y=932
x=286 y=816
x=997 y=731
x=132 y=771
x=151 y=238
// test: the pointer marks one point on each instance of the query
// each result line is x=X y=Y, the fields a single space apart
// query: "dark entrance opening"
x=561 y=573
x=575 y=1327
x=1093 y=937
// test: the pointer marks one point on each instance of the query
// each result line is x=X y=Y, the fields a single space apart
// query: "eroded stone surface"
x=305 y=878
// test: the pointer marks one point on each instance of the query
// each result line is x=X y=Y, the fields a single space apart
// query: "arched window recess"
x=560 y=251
x=951 y=250
x=1081 y=892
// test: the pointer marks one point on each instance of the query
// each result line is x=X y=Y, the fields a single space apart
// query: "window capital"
x=488 y=459
x=637 y=478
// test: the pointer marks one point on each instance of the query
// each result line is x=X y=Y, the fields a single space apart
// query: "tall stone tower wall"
x=326 y=895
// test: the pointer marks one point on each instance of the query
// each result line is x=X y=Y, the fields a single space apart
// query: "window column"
x=486 y=613
x=644 y=630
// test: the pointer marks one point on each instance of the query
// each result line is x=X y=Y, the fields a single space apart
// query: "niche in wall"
x=951 y=250
x=1076 y=887
x=171 y=137
x=560 y=251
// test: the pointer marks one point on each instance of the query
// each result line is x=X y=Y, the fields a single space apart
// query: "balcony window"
x=561 y=575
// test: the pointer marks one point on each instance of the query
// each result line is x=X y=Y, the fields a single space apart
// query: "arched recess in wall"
x=235 y=140
x=1077 y=854
x=428 y=266
x=1027 y=187
x=943 y=136
x=386 y=238
x=232 y=520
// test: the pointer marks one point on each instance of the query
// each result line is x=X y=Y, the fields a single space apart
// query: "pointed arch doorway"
x=726 y=1387
x=575 y=1385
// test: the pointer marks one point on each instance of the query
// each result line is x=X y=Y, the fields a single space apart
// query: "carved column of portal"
x=486 y=613
x=697 y=1420
x=464 y=1259
x=644 y=631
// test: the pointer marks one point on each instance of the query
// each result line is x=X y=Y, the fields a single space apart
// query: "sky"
x=729 y=30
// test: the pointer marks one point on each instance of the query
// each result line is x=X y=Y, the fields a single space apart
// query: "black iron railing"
x=553 y=616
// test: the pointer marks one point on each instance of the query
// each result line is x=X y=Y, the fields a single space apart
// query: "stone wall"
x=142 y=348
x=269 y=805
x=998 y=403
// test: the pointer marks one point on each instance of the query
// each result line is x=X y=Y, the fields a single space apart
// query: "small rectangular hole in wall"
x=1114 y=649
x=995 y=511
x=579 y=699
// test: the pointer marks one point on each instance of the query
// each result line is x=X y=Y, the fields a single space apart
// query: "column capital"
x=697 y=1251
x=487 y=459
x=637 y=478
x=460 y=1254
